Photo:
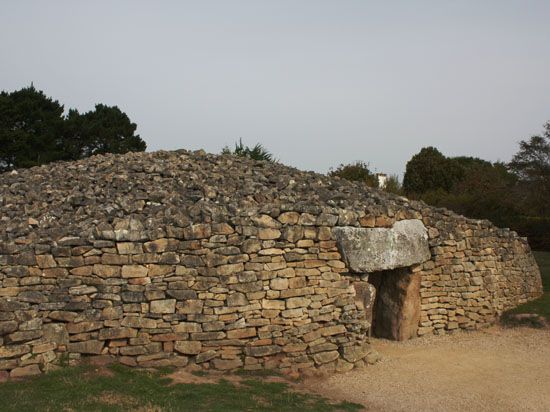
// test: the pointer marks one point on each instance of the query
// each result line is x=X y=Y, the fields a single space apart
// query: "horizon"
x=318 y=84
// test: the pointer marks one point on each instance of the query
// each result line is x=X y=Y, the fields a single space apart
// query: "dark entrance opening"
x=396 y=309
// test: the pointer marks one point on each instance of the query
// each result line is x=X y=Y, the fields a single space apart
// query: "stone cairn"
x=179 y=258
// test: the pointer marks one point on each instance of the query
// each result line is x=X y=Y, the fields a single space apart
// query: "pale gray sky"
x=317 y=82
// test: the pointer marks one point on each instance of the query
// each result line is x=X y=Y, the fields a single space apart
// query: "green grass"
x=83 y=388
x=540 y=306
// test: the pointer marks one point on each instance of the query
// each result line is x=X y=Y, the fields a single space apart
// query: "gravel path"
x=491 y=370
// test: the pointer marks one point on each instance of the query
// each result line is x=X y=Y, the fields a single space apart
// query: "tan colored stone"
x=134 y=271
x=129 y=248
x=268 y=233
x=105 y=271
x=163 y=306
x=25 y=371
x=117 y=333
x=241 y=333
x=289 y=218
x=188 y=347
x=266 y=221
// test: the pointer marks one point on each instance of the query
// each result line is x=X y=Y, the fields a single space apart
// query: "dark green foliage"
x=258 y=152
x=124 y=389
x=430 y=170
x=532 y=167
x=30 y=129
x=485 y=190
x=103 y=130
x=358 y=172
x=34 y=131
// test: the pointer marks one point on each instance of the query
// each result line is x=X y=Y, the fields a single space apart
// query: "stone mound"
x=177 y=258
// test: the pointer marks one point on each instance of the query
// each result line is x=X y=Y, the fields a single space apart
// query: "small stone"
x=134 y=271
x=325 y=357
x=206 y=356
x=373 y=357
x=23 y=372
x=266 y=221
x=289 y=218
x=259 y=351
x=82 y=290
x=237 y=299
x=92 y=347
x=241 y=333
x=163 y=306
x=188 y=347
x=279 y=284
x=227 y=364
x=86 y=326
x=117 y=333
x=268 y=233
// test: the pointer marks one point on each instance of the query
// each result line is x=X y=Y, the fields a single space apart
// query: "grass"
x=83 y=388
x=539 y=306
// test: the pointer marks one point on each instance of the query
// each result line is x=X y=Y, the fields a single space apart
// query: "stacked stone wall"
x=185 y=258
x=265 y=294
x=477 y=271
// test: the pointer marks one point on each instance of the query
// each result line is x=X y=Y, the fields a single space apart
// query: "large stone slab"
x=375 y=249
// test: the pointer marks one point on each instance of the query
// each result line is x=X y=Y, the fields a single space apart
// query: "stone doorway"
x=396 y=308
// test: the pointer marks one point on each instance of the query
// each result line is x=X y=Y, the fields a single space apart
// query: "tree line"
x=514 y=194
x=35 y=130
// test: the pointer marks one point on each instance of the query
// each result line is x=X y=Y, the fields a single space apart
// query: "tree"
x=430 y=170
x=30 y=129
x=258 y=152
x=34 y=131
x=358 y=171
x=531 y=164
x=103 y=130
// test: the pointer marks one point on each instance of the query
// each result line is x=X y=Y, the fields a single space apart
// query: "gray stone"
x=375 y=249
x=92 y=347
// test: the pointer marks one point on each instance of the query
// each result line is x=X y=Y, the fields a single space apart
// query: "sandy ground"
x=491 y=370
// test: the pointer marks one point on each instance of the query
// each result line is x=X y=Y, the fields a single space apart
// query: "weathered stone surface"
x=227 y=364
x=92 y=347
x=117 y=333
x=163 y=306
x=188 y=347
x=325 y=357
x=56 y=332
x=354 y=353
x=259 y=351
x=167 y=258
x=397 y=312
x=134 y=271
x=372 y=250
x=25 y=371
x=138 y=322
x=7 y=327
x=86 y=326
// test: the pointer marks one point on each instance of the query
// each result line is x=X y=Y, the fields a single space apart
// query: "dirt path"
x=491 y=370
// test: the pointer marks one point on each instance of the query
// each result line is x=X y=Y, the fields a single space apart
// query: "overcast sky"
x=317 y=82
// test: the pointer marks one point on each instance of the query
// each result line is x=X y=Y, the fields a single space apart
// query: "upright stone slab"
x=374 y=249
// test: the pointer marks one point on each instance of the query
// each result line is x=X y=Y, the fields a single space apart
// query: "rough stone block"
x=163 y=306
x=376 y=249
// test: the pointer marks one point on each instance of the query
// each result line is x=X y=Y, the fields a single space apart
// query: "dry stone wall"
x=179 y=258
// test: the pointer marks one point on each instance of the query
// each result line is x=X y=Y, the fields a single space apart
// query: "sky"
x=318 y=83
